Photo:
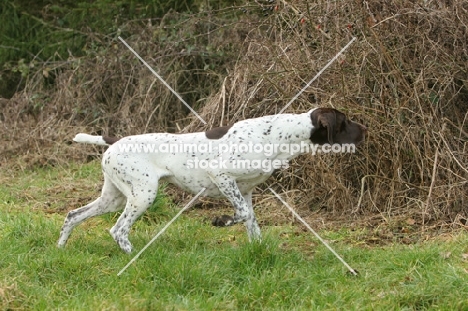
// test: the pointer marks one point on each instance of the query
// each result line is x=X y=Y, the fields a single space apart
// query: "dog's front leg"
x=253 y=229
x=242 y=206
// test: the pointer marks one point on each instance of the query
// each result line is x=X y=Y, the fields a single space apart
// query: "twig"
x=451 y=153
x=363 y=179
x=317 y=75
x=162 y=80
x=428 y=201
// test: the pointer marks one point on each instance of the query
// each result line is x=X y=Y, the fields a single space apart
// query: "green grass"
x=194 y=266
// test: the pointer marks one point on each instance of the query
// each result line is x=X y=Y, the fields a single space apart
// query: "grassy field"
x=194 y=266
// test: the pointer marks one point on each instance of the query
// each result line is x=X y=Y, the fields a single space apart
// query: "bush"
x=404 y=77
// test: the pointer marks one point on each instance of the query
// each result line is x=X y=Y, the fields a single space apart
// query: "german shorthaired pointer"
x=134 y=165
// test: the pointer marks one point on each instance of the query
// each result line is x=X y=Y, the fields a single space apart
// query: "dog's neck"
x=288 y=128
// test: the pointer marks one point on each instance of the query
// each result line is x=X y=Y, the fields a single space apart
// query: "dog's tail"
x=94 y=139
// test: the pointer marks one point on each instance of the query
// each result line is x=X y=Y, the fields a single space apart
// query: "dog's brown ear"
x=328 y=121
x=325 y=125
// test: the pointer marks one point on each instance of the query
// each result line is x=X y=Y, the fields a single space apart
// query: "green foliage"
x=188 y=268
x=45 y=30
x=54 y=30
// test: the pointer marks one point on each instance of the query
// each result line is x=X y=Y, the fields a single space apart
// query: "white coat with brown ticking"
x=228 y=161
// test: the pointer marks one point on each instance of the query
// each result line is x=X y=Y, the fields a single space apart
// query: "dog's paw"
x=126 y=246
x=223 y=221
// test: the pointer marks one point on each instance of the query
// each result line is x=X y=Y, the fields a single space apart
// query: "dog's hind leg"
x=138 y=202
x=111 y=200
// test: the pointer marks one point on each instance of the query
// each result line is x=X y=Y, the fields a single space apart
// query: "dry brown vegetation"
x=405 y=77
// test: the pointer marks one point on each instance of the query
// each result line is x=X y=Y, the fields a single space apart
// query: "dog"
x=133 y=166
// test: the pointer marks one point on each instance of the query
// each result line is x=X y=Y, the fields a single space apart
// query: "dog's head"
x=331 y=126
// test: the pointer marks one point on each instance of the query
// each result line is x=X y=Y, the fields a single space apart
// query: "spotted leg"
x=253 y=229
x=111 y=200
x=242 y=206
x=136 y=205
